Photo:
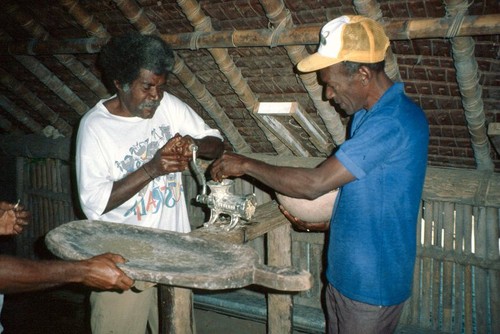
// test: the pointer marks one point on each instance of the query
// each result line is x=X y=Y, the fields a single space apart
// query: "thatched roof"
x=234 y=55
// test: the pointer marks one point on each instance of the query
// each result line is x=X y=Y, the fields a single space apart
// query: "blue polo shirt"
x=372 y=245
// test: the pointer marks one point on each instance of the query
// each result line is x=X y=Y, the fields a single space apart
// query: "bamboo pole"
x=201 y=23
x=468 y=83
x=210 y=104
x=280 y=18
x=8 y=127
x=87 y=22
x=35 y=102
x=53 y=83
x=69 y=61
x=397 y=29
x=19 y=114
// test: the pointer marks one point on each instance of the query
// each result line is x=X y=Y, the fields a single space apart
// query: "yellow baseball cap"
x=352 y=38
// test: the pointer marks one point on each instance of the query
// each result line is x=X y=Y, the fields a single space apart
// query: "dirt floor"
x=64 y=312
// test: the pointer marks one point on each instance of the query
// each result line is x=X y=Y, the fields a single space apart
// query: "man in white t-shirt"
x=130 y=152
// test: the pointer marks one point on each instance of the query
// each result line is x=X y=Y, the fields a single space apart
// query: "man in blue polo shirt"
x=380 y=170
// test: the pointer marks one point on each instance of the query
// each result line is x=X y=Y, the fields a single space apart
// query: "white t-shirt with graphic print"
x=108 y=147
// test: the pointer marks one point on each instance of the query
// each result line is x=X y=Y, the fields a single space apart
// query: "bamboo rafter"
x=202 y=23
x=69 y=61
x=7 y=126
x=20 y=115
x=34 y=102
x=280 y=18
x=397 y=29
x=468 y=82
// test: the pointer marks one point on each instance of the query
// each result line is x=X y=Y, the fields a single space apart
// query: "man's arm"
x=308 y=183
x=173 y=157
x=100 y=272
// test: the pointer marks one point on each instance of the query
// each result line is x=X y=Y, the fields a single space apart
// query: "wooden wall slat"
x=459 y=269
x=426 y=312
x=480 y=275
x=493 y=235
x=448 y=287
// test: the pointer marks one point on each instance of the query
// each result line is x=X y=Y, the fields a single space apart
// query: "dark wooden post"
x=176 y=310
x=279 y=305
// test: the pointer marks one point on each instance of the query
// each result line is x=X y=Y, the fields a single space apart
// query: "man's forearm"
x=19 y=275
x=127 y=187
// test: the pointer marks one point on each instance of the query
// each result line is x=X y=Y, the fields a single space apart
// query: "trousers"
x=127 y=312
x=347 y=316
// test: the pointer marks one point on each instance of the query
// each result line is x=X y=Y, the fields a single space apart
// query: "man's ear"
x=365 y=74
x=117 y=85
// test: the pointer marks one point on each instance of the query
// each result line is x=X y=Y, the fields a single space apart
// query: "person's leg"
x=350 y=316
x=332 y=326
x=153 y=317
x=125 y=312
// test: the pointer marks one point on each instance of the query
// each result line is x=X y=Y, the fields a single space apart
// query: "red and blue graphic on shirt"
x=165 y=190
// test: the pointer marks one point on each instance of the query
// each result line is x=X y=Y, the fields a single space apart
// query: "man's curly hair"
x=124 y=56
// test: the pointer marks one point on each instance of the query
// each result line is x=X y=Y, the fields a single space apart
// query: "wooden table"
x=179 y=262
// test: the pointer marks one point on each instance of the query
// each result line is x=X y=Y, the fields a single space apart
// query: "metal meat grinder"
x=221 y=201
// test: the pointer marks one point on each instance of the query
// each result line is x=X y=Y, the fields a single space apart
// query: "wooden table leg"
x=279 y=305
x=176 y=310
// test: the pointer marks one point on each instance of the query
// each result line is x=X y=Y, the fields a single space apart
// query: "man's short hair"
x=353 y=67
x=124 y=56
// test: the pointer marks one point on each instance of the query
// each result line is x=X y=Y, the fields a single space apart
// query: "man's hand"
x=173 y=157
x=229 y=164
x=300 y=225
x=13 y=218
x=178 y=146
x=103 y=273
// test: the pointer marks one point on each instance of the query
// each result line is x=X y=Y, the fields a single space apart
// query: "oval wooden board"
x=172 y=258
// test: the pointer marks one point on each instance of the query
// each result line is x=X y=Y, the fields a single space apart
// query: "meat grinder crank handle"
x=198 y=173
